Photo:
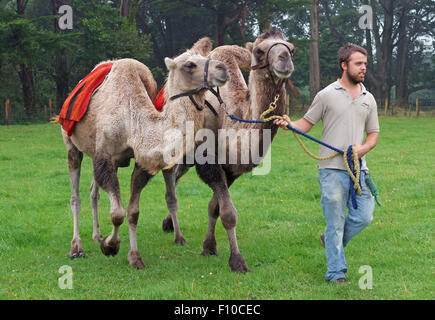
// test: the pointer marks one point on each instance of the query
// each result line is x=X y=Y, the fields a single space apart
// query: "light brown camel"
x=271 y=57
x=121 y=123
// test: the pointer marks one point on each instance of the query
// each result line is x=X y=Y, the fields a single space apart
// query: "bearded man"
x=349 y=116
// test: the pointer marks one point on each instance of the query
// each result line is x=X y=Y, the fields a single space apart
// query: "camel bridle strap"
x=266 y=62
x=205 y=86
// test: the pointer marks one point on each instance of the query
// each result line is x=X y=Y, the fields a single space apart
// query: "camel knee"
x=229 y=218
x=75 y=202
x=132 y=215
x=171 y=201
x=117 y=217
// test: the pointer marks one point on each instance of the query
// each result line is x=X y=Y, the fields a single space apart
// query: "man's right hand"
x=284 y=122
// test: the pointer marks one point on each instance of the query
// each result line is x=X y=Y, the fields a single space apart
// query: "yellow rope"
x=355 y=178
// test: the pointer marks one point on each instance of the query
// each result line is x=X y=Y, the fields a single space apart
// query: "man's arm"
x=302 y=124
x=369 y=144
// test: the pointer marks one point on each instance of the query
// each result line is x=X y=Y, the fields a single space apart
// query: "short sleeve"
x=315 y=111
x=372 y=122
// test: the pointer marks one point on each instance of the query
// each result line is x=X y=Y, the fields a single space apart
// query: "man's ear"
x=170 y=64
x=343 y=65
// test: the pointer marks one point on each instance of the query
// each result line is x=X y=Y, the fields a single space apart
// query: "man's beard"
x=354 y=79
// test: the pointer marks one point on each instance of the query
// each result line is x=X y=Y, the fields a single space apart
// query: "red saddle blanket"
x=159 y=100
x=76 y=104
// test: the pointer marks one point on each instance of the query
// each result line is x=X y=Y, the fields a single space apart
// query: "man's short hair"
x=346 y=51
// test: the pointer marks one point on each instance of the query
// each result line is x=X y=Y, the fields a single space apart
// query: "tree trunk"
x=25 y=72
x=402 y=59
x=125 y=8
x=314 y=50
x=263 y=15
x=28 y=86
x=62 y=78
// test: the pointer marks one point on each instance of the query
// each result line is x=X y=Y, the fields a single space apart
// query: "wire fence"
x=14 y=113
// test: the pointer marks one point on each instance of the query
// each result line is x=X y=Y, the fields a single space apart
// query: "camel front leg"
x=215 y=177
x=209 y=245
x=139 y=179
x=105 y=174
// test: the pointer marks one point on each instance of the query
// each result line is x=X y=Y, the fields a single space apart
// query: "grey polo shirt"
x=345 y=121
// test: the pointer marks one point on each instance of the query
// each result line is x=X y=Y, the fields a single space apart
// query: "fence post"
x=386 y=107
x=50 y=108
x=417 y=108
x=8 y=111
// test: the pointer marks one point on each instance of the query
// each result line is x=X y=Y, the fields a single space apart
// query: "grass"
x=280 y=220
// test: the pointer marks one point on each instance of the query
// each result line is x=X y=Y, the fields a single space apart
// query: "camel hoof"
x=77 y=254
x=237 y=263
x=167 y=225
x=209 y=248
x=180 y=241
x=111 y=248
x=135 y=260
x=76 y=249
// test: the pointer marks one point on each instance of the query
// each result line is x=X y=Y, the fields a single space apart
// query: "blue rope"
x=349 y=153
x=293 y=129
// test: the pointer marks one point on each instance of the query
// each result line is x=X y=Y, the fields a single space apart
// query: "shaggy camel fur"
x=121 y=123
x=274 y=53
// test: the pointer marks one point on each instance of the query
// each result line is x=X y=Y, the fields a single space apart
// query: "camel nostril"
x=284 y=56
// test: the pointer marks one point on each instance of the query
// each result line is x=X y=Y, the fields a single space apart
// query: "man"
x=347 y=111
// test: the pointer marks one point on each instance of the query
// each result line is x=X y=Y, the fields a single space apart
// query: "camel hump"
x=233 y=56
x=131 y=66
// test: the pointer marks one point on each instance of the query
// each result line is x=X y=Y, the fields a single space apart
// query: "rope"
x=352 y=168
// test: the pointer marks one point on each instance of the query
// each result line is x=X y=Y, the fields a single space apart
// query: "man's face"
x=356 y=67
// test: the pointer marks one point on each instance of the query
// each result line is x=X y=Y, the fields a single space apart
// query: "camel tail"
x=54 y=119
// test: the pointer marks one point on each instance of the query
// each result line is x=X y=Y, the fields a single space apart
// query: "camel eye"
x=259 y=52
x=190 y=65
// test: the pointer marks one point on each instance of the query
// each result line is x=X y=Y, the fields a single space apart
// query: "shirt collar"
x=337 y=85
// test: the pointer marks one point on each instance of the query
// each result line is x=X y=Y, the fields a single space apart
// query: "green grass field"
x=278 y=230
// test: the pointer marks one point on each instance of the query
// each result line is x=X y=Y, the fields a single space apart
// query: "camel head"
x=186 y=72
x=272 y=54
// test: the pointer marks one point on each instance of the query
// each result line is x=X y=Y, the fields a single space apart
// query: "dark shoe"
x=340 y=281
x=322 y=240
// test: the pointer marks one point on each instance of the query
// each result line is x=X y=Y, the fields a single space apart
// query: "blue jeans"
x=340 y=229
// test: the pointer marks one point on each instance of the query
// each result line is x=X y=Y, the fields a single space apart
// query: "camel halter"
x=206 y=86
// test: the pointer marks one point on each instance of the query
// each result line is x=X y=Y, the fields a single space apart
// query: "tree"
x=314 y=50
x=25 y=70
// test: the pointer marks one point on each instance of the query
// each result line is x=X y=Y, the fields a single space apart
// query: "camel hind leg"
x=170 y=223
x=74 y=165
x=95 y=197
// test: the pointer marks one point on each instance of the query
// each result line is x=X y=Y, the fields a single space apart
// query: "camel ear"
x=170 y=64
x=203 y=46
x=249 y=46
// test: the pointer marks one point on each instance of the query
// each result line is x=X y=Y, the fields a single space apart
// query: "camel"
x=270 y=61
x=121 y=123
